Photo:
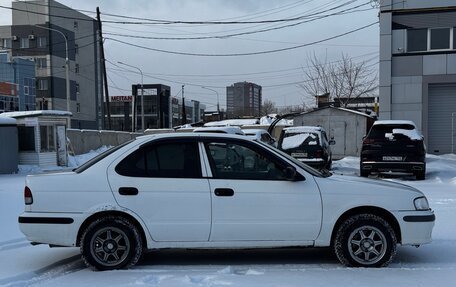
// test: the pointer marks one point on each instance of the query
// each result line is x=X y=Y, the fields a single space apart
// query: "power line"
x=243 y=54
x=168 y=22
x=347 y=11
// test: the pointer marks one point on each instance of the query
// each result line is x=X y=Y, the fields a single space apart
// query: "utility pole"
x=103 y=67
x=184 y=114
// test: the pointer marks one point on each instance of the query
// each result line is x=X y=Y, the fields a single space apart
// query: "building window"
x=440 y=39
x=78 y=107
x=76 y=49
x=417 y=40
x=25 y=43
x=76 y=68
x=41 y=63
x=26 y=138
x=75 y=25
x=5 y=43
x=77 y=88
x=43 y=85
x=47 y=138
x=26 y=90
x=41 y=42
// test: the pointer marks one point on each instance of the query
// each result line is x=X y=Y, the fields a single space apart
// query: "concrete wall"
x=83 y=141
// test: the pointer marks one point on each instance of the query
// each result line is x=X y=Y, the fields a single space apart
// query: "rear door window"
x=169 y=160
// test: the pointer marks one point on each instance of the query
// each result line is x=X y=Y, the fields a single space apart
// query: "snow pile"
x=411 y=134
x=267 y=120
x=77 y=160
x=296 y=140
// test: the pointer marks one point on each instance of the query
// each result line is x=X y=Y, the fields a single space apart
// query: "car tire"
x=362 y=172
x=365 y=240
x=420 y=175
x=111 y=243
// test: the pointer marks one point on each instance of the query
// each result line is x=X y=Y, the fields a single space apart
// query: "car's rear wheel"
x=365 y=240
x=111 y=243
x=363 y=173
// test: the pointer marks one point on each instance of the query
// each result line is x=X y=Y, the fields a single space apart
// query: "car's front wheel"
x=365 y=240
x=111 y=243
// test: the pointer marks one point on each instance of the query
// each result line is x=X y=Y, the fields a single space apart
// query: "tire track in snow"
x=50 y=272
x=13 y=244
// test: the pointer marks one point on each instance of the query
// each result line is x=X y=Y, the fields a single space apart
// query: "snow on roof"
x=234 y=122
x=355 y=112
x=254 y=131
x=7 y=121
x=302 y=129
x=23 y=114
x=394 y=122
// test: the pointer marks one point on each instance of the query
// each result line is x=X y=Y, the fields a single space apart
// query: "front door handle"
x=224 y=192
x=128 y=191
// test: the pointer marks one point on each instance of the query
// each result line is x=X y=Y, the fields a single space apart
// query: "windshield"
x=302 y=165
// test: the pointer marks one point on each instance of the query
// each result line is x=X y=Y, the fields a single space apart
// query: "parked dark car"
x=393 y=146
x=308 y=144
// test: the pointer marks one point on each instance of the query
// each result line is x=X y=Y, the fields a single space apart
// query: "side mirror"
x=332 y=142
x=290 y=173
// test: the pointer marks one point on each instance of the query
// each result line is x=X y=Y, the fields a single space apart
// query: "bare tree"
x=268 y=107
x=344 y=80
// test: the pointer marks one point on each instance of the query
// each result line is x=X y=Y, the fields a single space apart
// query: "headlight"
x=421 y=203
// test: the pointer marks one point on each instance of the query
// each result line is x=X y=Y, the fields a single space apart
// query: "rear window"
x=295 y=140
x=382 y=131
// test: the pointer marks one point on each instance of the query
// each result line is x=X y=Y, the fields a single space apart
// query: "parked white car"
x=209 y=190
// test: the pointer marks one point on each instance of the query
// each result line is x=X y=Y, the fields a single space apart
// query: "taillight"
x=319 y=153
x=28 y=198
x=368 y=141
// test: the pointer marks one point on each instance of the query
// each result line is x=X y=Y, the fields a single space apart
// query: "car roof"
x=191 y=135
x=394 y=122
x=255 y=131
x=228 y=130
x=303 y=129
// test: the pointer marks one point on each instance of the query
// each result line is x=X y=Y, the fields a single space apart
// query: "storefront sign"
x=121 y=98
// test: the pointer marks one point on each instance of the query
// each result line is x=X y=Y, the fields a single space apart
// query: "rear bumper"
x=416 y=226
x=411 y=167
x=51 y=228
x=313 y=162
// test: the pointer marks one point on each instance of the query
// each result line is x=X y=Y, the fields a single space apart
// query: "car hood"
x=363 y=191
x=374 y=183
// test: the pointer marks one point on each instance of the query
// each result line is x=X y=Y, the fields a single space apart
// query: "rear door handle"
x=224 y=192
x=128 y=191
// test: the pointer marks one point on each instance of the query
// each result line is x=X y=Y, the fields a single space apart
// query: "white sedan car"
x=217 y=191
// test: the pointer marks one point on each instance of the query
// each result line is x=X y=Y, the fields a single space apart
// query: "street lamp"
x=142 y=94
x=218 y=106
x=67 y=67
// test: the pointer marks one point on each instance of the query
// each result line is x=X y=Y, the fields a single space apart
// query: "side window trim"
x=204 y=161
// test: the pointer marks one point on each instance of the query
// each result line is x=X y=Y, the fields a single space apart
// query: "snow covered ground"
x=430 y=265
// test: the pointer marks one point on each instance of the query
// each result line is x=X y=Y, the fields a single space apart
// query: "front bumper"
x=410 y=167
x=416 y=226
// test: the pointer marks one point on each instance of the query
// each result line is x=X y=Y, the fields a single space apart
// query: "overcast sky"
x=278 y=72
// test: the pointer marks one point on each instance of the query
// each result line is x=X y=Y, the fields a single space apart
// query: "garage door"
x=442 y=119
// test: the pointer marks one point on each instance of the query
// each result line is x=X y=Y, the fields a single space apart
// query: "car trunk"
x=382 y=145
